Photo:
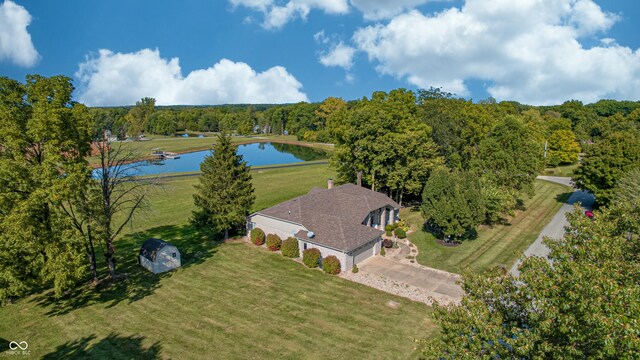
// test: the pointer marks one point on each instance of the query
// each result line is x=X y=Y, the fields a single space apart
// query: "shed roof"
x=151 y=247
x=335 y=215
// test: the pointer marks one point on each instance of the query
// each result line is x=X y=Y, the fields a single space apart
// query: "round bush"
x=354 y=269
x=400 y=233
x=257 y=236
x=382 y=252
x=387 y=243
x=388 y=232
x=310 y=257
x=290 y=248
x=389 y=227
x=274 y=242
x=331 y=265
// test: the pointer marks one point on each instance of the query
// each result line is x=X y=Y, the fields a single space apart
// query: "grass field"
x=497 y=245
x=227 y=301
x=566 y=171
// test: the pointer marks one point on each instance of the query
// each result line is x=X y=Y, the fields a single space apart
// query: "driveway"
x=555 y=228
x=437 y=284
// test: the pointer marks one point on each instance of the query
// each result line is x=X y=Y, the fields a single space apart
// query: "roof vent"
x=310 y=234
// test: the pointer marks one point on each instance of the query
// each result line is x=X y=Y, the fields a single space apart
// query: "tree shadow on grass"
x=4 y=345
x=111 y=347
x=135 y=282
x=564 y=197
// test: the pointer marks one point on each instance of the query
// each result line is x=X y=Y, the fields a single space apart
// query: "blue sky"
x=537 y=52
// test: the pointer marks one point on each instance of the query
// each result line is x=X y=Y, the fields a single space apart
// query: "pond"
x=256 y=154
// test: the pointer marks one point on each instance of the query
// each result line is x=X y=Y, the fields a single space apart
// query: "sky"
x=196 y=52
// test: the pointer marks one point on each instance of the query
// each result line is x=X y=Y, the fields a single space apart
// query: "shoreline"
x=323 y=146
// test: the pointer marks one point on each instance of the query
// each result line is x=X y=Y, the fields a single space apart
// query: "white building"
x=346 y=221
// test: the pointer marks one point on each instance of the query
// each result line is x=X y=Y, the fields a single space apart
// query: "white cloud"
x=277 y=13
x=385 y=9
x=320 y=37
x=340 y=55
x=110 y=78
x=527 y=50
x=15 y=40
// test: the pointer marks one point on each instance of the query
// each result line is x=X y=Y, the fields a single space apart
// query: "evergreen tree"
x=224 y=195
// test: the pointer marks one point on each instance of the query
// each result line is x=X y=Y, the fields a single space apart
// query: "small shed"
x=159 y=256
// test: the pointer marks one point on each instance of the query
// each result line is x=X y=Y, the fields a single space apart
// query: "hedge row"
x=310 y=257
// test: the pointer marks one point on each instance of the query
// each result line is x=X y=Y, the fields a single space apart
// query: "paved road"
x=441 y=285
x=555 y=228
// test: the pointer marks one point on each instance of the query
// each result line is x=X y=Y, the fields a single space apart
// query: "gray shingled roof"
x=334 y=215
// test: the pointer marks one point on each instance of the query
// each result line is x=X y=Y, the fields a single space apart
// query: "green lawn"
x=171 y=202
x=227 y=301
x=566 y=171
x=497 y=245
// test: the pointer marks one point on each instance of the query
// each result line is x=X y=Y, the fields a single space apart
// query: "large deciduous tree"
x=563 y=148
x=384 y=138
x=604 y=163
x=583 y=305
x=225 y=193
x=509 y=156
x=43 y=136
x=138 y=116
x=452 y=203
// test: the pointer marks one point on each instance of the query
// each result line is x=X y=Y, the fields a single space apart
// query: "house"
x=159 y=256
x=346 y=221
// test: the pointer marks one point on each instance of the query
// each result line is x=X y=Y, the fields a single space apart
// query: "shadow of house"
x=111 y=347
x=135 y=282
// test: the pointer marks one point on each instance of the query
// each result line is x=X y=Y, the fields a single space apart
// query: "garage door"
x=363 y=253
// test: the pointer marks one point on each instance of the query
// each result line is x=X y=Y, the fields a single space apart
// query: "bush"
x=331 y=265
x=388 y=232
x=387 y=243
x=310 y=257
x=403 y=225
x=274 y=242
x=390 y=227
x=382 y=251
x=400 y=233
x=354 y=269
x=290 y=248
x=257 y=236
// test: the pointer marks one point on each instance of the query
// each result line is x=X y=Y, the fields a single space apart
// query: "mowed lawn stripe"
x=496 y=242
x=497 y=245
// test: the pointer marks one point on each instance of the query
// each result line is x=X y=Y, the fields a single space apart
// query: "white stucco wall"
x=325 y=251
x=273 y=226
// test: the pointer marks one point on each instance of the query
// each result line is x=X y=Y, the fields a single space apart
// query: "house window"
x=304 y=246
x=173 y=254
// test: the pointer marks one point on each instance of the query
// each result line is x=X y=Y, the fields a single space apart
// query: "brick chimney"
x=330 y=183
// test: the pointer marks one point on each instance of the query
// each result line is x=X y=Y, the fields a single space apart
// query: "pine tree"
x=224 y=195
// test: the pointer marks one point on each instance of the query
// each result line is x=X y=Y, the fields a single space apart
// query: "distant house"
x=159 y=256
x=346 y=221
